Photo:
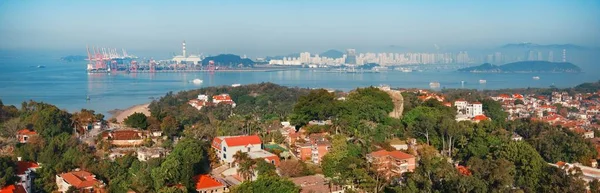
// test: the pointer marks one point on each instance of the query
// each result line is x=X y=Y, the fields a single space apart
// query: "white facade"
x=226 y=151
x=470 y=110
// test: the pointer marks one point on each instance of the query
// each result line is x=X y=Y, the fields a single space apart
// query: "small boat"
x=434 y=84
x=87 y=98
x=197 y=81
x=482 y=81
x=41 y=66
x=235 y=85
x=536 y=78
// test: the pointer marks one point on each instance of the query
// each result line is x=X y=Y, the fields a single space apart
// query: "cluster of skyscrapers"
x=383 y=59
x=532 y=55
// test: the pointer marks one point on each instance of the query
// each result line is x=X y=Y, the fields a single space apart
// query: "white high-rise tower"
x=184 y=55
x=564 y=55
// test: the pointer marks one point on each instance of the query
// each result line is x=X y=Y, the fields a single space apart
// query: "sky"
x=269 y=27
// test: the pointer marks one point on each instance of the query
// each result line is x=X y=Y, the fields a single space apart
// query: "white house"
x=227 y=146
x=466 y=110
x=24 y=170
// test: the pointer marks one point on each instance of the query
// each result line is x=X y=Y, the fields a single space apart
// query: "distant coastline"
x=525 y=67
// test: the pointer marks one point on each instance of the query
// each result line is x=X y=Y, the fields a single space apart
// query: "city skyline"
x=261 y=28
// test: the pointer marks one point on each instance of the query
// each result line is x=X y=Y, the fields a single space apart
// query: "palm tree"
x=240 y=157
x=245 y=164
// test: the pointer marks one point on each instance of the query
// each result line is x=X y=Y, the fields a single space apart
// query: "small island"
x=525 y=67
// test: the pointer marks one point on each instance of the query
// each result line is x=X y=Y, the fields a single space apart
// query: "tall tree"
x=137 y=120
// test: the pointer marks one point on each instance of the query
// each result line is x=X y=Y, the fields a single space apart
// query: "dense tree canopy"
x=137 y=120
x=267 y=184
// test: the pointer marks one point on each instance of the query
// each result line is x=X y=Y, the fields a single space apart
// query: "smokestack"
x=184 y=49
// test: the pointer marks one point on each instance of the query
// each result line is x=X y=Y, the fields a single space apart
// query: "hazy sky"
x=280 y=27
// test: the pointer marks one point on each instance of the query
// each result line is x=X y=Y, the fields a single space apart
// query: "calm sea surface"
x=67 y=84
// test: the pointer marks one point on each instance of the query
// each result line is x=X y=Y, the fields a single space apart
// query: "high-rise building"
x=564 y=58
x=531 y=56
x=350 y=56
x=539 y=56
x=498 y=58
x=305 y=58
x=550 y=56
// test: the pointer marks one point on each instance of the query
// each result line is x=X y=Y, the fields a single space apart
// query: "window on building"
x=248 y=149
x=273 y=162
x=224 y=156
x=224 y=149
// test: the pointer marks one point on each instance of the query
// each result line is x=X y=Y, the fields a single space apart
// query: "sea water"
x=68 y=85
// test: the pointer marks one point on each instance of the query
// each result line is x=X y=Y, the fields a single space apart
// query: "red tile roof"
x=80 y=179
x=22 y=166
x=396 y=154
x=477 y=102
x=463 y=170
x=13 y=189
x=222 y=97
x=480 y=118
x=504 y=96
x=518 y=96
x=126 y=135
x=26 y=132
x=204 y=181
x=242 y=140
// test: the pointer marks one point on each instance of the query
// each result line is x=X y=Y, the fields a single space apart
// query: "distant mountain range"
x=74 y=58
x=525 y=67
x=332 y=54
x=228 y=60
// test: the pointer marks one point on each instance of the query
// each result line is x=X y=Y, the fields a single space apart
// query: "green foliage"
x=8 y=171
x=529 y=164
x=187 y=159
x=493 y=109
x=169 y=126
x=267 y=184
x=265 y=169
x=317 y=105
x=46 y=119
x=554 y=143
x=137 y=120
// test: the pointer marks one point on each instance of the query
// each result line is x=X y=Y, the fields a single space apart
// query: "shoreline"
x=121 y=114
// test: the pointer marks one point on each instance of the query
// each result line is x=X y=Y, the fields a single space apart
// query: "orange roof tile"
x=222 y=97
x=204 y=181
x=26 y=132
x=463 y=170
x=504 y=96
x=480 y=118
x=242 y=140
x=126 y=135
x=22 y=166
x=80 y=179
x=13 y=189
x=396 y=154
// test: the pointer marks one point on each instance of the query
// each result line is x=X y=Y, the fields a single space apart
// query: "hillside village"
x=324 y=144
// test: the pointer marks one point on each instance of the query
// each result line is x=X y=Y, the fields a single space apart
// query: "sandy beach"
x=120 y=115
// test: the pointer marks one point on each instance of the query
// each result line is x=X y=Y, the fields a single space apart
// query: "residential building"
x=24 y=135
x=392 y=163
x=144 y=154
x=469 y=111
x=124 y=137
x=227 y=146
x=316 y=183
x=24 y=172
x=265 y=155
x=80 y=180
x=224 y=99
x=12 y=189
x=205 y=183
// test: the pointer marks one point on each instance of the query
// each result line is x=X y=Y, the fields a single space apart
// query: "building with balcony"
x=392 y=163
